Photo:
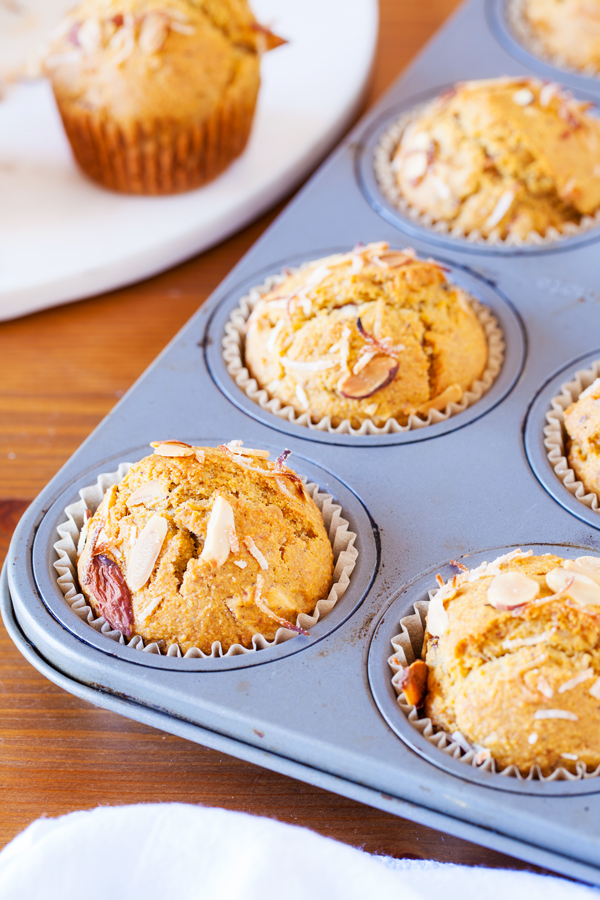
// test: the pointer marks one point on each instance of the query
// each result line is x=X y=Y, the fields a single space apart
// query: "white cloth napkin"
x=164 y=851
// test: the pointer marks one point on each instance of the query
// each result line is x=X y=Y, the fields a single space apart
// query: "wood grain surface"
x=61 y=371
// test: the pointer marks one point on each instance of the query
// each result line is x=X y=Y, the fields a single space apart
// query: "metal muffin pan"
x=308 y=708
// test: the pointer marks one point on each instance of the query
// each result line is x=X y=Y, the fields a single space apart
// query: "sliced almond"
x=172 y=448
x=148 y=493
x=511 y=589
x=145 y=552
x=89 y=35
x=555 y=714
x=238 y=448
x=437 y=617
x=258 y=556
x=154 y=31
x=266 y=609
x=581 y=588
x=377 y=374
x=452 y=394
x=220 y=526
x=575 y=680
x=523 y=97
x=414 y=682
x=595 y=689
x=587 y=565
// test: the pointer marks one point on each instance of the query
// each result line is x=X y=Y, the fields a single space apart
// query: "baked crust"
x=504 y=156
x=495 y=673
x=281 y=566
x=378 y=313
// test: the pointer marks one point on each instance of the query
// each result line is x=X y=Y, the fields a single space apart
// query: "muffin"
x=201 y=544
x=504 y=158
x=582 y=424
x=370 y=335
x=157 y=96
x=567 y=30
x=512 y=650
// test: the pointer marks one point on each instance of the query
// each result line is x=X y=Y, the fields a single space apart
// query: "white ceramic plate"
x=62 y=238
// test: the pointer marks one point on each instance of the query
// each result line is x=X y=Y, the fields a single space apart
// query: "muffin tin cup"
x=233 y=354
x=555 y=439
x=521 y=32
x=383 y=153
x=452 y=752
x=408 y=645
x=345 y=556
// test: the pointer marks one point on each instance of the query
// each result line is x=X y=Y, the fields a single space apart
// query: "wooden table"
x=61 y=371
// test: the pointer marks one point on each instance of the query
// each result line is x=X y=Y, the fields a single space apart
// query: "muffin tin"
x=321 y=708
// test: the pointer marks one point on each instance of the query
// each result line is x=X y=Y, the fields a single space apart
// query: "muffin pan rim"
x=369 y=186
x=533 y=440
x=361 y=580
x=504 y=309
x=380 y=683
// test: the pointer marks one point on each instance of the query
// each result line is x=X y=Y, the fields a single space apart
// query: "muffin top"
x=201 y=544
x=504 y=156
x=582 y=424
x=141 y=60
x=513 y=652
x=568 y=29
x=371 y=334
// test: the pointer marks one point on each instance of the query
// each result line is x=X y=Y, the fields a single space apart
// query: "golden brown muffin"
x=513 y=651
x=206 y=545
x=582 y=424
x=508 y=157
x=568 y=30
x=371 y=334
x=157 y=96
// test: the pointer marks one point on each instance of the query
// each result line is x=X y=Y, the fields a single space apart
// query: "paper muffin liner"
x=233 y=354
x=408 y=645
x=555 y=440
x=382 y=164
x=342 y=540
x=525 y=35
x=158 y=157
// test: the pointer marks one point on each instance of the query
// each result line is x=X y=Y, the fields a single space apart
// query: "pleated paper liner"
x=342 y=540
x=158 y=157
x=408 y=645
x=382 y=163
x=525 y=35
x=555 y=436
x=233 y=354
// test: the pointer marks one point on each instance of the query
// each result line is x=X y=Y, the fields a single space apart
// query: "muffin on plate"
x=504 y=157
x=513 y=656
x=202 y=544
x=567 y=30
x=371 y=335
x=157 y=96
x=582 y=424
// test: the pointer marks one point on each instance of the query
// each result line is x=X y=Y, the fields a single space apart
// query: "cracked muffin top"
x=582 y=424
x=504 y=157
x=372 y=334
x=513 y=656
x=568 y=29
x=143 y=60
x=202 y=544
